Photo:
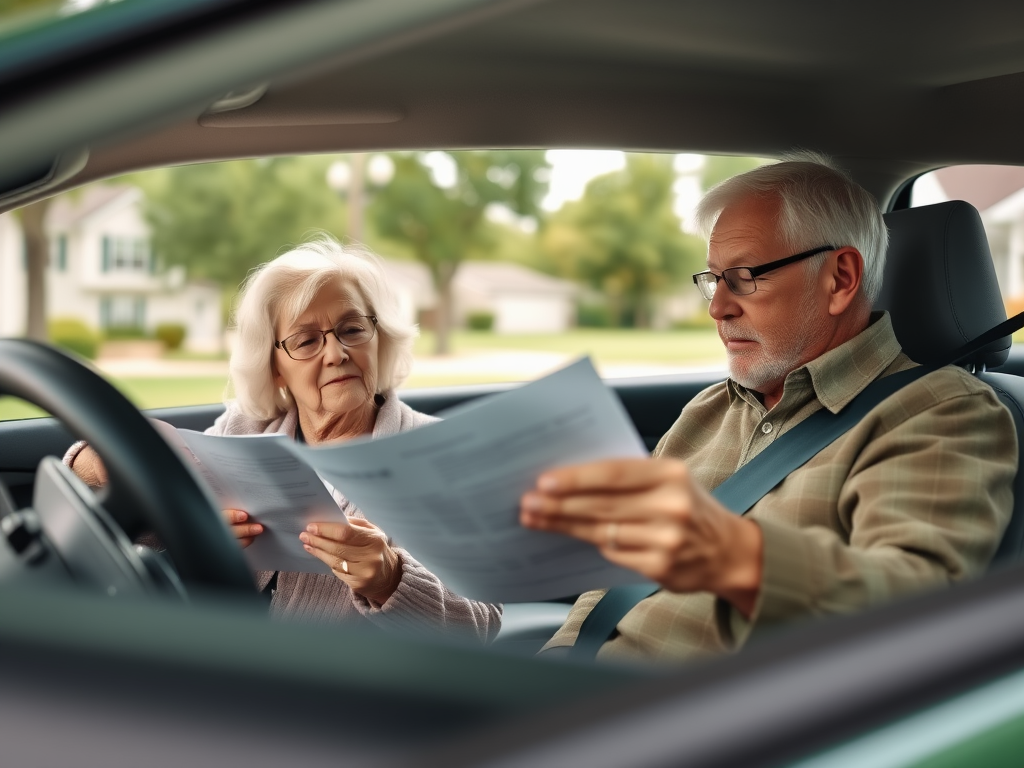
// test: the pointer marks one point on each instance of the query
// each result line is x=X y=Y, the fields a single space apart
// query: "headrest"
x=940 y=284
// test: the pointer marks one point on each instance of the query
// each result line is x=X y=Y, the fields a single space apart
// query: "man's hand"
x=650 y=516
x=358 y=554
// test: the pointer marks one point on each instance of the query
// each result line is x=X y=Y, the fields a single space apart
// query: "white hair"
x=283 y=289
x=820 y=205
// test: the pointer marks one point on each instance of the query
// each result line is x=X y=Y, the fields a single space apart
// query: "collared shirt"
x=914 y=496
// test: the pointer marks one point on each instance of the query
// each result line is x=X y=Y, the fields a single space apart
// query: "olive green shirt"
x=916 y=495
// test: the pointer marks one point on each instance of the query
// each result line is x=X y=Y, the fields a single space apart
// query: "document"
x=258 y=474
x=449 y=491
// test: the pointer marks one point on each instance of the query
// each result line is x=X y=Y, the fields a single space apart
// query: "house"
x=521 y=300
x=102 y=271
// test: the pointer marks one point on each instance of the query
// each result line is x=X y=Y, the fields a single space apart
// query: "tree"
x=32 y=218
x=441 y=221
x=624 y=239
x=219 y=220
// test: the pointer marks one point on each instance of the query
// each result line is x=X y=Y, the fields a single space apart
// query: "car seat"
x=940 y=288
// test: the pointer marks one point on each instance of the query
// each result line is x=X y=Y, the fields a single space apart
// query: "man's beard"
x=762 y=368
x=777 y=354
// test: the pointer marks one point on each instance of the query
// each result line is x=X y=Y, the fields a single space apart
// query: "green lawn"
x=682 y=347
x=623 y=345
x=144 y=393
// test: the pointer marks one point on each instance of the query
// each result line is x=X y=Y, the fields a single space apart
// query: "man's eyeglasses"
x=742 y=280
x=351 y=332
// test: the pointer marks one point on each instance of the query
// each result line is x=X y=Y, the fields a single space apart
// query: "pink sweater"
x=421 y=601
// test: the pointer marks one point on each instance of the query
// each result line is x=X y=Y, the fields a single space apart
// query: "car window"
x=544 y=256
x=997 y=191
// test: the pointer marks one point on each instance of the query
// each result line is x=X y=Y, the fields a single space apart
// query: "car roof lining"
x=888 y=92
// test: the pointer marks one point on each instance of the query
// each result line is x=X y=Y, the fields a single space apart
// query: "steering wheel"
x=149 y=487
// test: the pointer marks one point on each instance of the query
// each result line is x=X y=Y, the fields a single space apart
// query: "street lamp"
x=349 y=180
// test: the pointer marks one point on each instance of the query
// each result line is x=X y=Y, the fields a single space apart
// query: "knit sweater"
x=420 y=602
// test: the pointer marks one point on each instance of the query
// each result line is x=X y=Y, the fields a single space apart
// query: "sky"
x=571 y=169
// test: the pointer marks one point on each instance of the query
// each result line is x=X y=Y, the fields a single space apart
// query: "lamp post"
x=349 y=180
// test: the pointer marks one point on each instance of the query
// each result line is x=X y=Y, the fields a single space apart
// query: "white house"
x=522 y=300
x=102 y=271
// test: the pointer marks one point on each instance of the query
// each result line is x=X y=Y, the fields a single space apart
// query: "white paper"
x=449 y=491
x=258 y=474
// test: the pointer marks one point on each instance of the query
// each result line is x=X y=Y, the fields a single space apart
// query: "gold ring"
x=344 y=565
x=613 y=529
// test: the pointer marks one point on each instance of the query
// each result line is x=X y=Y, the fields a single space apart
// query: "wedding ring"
x=344 y=565
x=613 y=529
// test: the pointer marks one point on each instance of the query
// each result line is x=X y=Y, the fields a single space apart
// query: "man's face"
x=785 y=322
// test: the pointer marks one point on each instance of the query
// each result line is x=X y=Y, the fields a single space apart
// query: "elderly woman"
x=320 y=349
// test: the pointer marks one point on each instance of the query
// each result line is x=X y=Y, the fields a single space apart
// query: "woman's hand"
x=243 y=530
x=358 y=554
x=89 y=467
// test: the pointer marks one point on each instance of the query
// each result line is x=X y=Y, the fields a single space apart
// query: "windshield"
x=511 y=263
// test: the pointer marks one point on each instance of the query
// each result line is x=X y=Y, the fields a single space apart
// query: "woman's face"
x=340 y=381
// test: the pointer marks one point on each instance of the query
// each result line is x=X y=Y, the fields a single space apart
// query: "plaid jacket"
x=915 y=496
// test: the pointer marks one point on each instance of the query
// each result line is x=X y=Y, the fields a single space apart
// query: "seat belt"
x=747 y=486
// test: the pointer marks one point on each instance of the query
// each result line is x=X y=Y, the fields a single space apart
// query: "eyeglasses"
x=350 y=331
x=741 y=280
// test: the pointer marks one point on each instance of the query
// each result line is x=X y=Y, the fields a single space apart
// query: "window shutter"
x=62 y=253
x=105 y=266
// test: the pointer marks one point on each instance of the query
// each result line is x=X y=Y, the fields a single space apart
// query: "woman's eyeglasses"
x=351 y=332
x=741 y=280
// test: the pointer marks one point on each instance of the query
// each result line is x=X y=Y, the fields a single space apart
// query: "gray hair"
x=284 y=288
x=821 y=205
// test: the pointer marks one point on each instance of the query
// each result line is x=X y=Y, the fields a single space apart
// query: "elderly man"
x=917 y=494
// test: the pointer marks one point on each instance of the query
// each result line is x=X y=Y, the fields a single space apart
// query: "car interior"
x=138 y=84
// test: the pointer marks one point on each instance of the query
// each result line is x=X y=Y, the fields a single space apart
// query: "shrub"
x=480 y=321
x=697 y=322
x=72 y=334
x=593 y=316
x=124 y=333
x=171 y=334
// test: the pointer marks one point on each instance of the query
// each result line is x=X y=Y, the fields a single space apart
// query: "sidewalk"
x=157 y=368
x=496 y=366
